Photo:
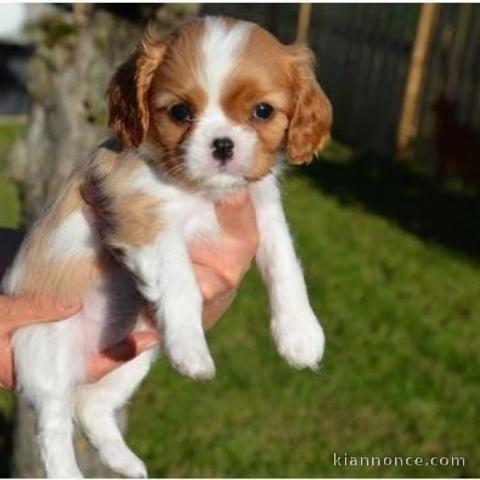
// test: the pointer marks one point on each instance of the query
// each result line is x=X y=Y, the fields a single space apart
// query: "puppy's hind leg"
x=49 y=363
x=55 y=430
x=95 y=406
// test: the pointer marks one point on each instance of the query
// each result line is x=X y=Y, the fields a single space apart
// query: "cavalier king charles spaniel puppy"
x=209 y=110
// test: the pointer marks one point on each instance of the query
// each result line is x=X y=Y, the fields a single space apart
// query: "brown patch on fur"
x=270 y=137
x=178 y=72
x=136 y=220
x=67 y=278
x=167 y=135
x=46 y=273
x=124 y=217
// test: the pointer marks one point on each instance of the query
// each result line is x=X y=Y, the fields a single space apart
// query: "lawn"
x=9 y=199
x=400 y=308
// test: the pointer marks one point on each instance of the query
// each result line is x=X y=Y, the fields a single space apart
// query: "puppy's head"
x=215 y=101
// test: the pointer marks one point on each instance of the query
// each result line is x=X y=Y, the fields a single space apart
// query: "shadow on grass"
x=412 y=200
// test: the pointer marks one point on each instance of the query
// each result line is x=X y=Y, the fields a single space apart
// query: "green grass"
x=401 y=374
x=9 y=197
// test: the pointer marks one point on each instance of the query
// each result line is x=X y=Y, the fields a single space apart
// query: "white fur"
x=296 y=331
x=51 y=358
x=49 y=362
x=221 y=47
x=95 y=407
x=82 y=242
x=169 y=284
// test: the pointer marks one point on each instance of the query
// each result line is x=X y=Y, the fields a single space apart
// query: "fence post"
x=408 y=124
x=303 y=25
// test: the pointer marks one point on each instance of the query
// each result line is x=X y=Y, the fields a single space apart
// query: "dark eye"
x=263 y=111
x=181 y=112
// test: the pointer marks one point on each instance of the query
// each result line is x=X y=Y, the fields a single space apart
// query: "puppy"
x=198 y=115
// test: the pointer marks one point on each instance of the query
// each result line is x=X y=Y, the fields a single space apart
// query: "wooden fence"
x=453 y=72
x=364 y=53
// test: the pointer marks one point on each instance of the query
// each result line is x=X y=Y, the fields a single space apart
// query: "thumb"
x=24 y=310
x=114 y=357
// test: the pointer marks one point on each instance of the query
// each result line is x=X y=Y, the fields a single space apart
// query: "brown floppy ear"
x=128 y=112
x=311 y=118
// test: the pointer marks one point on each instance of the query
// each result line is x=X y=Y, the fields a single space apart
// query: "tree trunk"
x=76 y=53
x=67 y=80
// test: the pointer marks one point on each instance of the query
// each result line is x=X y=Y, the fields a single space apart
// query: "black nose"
x=223 y=149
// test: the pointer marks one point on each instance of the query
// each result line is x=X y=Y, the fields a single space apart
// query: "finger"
x=114 y=357
x=19 y=311
x=6 y=364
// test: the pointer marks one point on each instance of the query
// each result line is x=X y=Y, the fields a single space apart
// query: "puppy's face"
x=215 y=101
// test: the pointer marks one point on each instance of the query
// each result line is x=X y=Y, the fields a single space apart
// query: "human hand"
x=17 y=312
x=220 y=267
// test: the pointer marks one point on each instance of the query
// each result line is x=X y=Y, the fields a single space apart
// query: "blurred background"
x=387 y=223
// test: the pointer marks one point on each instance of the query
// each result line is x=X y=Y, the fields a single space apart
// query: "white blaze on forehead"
x=221 y=47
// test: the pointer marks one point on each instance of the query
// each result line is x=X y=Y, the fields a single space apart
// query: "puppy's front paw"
x=300 y=342
x=123 y=461
x=188 y=353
